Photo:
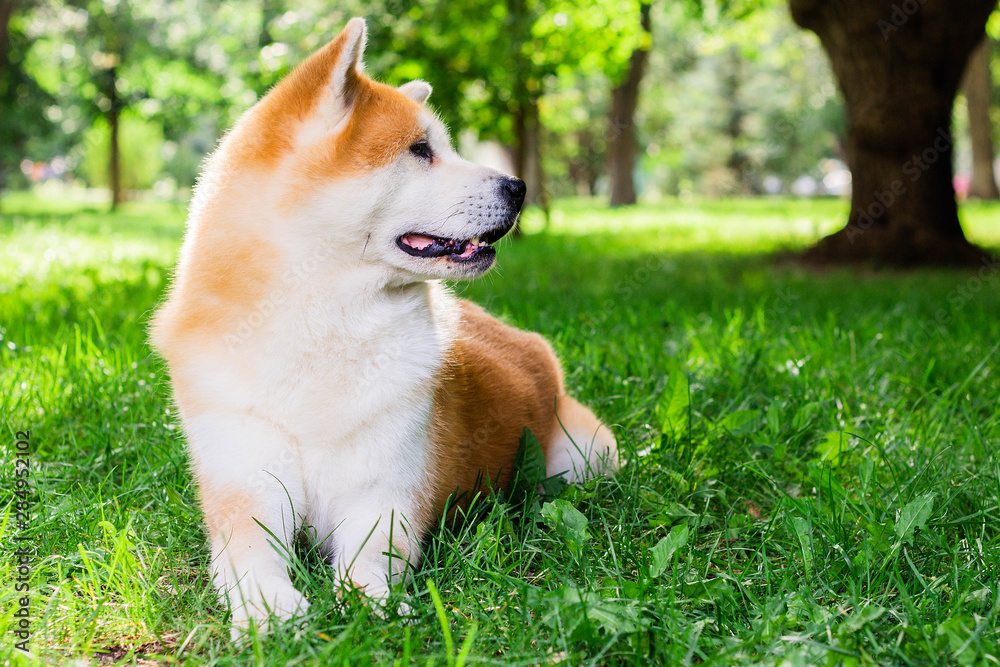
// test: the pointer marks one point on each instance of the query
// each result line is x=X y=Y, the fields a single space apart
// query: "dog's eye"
x=422 y=150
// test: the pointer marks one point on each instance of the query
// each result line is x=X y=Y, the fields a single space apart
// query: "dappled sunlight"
x=739 y=226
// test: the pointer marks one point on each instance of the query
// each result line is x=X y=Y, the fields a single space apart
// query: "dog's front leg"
x=252 y=494
x=378 y=545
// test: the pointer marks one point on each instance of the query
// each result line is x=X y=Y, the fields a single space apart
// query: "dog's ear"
x=344 y=78
x=416 y=90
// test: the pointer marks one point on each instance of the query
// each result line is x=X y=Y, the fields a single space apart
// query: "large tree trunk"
x=622 y=146
x=978 y=85
x=899 y=64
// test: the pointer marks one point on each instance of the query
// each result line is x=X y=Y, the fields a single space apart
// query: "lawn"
x=810 y=458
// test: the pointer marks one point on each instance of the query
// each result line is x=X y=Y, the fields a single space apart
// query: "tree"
x=978 y=85
x=898 y=65
x=495 y=83
x=621 y=121
x=6 y=10
x=89 y=54
x=114 y=33
x=21 y=98
x=738 y=161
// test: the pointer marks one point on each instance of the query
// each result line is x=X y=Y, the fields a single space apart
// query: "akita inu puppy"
x=322 y=373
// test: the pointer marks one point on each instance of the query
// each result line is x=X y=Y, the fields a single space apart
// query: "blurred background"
x=118 y=100
x=725 y=101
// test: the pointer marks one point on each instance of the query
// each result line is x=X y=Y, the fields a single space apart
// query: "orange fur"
x=578 y=422
x=497 y=380
x=383 y=124
x=225 y=277
x=229 y=510
x=266 y=133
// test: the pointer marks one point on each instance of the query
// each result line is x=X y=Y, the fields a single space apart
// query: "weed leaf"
x=860 y=619
x=529 y=470
x=741 y=422
x=663 y=552
x=913 y=516
x=675 y=404
x=833 y=445
x=567 y=521
x=529 y=462
x=802 y=528
x=774 y=417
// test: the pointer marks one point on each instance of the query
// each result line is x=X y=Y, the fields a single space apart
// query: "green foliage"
x=193 y=68
x=23 y=128
x=754 y=88
x=521 y=46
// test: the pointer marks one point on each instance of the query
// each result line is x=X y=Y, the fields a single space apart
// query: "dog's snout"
x=514 y=189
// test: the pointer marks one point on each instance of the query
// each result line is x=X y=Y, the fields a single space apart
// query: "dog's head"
x=369 y=170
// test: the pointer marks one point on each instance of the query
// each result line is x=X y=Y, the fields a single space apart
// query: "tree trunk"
x=738 y=162
x=898 y=64
x=269 y=10
x=6 y=9
x=114 y=165
x=528 y=156
x=622 y=146
x=978 y=89
x=585 y=169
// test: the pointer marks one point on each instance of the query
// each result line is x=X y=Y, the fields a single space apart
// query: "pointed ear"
x=416 y=90
x=344 y=77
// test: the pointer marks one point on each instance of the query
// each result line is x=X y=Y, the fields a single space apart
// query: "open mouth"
x=456 y=250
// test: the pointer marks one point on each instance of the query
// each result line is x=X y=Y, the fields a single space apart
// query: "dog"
x=323 y=374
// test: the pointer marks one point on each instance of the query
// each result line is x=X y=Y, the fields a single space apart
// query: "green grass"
x=810 y=458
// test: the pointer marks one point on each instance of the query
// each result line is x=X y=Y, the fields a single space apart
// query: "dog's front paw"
x=272 y=599
x=373 y=585
x=370 y=579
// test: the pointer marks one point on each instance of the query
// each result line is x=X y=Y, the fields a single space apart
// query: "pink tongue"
x=418 y=242
x=469 y=249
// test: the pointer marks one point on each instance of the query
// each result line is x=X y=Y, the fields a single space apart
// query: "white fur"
x=416 y=90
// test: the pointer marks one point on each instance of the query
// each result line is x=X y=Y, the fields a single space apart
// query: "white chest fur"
x=353 y=384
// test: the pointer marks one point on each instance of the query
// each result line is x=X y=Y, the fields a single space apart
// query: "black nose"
x=514 y=189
